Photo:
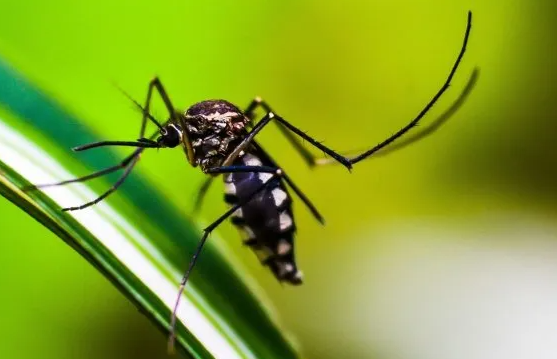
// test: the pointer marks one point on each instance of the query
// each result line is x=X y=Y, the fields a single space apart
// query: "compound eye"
x=173 y=139
x=170 y=137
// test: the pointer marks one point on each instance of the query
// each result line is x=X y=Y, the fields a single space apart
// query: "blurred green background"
x=444 y=250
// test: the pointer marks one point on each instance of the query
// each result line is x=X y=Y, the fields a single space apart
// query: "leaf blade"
x=234 y=310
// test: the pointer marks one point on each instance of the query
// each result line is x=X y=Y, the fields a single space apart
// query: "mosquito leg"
x=304 y=199
x=348 y=162
x=250 y=140
x=129 y=162
x=307 y=156
x=422 y=113
x=100 y=173
x=287 y=179
x=295 y=188
x=265 y=121
x=157 y=84
x=242 y=169
x=144 y=143
x=423 y=132
x=114 y=187
x=200 y=196
x=338 y=157
x=206 y=232
x=144 y=110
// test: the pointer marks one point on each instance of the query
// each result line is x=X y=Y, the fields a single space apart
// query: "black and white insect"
x=219 y=138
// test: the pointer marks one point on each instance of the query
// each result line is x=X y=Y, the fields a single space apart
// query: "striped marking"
x=283 y=247
x=289 y=267
x=218 y=116
x=238 y=213
x=285 y=221
x=264 y=177
x=248 y=232
x=229 y=188
x=251 y=160
x=279 y=196
x=284 y=269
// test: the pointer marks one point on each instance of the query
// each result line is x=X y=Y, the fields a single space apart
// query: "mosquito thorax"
x=213 y=127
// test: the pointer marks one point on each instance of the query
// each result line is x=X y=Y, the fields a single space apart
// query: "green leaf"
x=141 y=245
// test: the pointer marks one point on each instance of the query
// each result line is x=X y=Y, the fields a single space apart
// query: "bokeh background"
x=444 y=250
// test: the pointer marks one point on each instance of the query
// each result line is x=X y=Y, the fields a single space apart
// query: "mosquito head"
x=171 y=136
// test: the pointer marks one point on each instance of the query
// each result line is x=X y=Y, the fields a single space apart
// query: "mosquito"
x=219 y=138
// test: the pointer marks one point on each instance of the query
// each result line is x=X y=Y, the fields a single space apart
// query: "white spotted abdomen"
x=266 y=221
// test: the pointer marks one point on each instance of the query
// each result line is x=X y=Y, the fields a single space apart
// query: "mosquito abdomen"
x=266 y=221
